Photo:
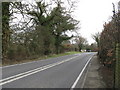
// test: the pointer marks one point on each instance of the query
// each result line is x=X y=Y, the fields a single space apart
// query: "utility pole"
x=117 y=64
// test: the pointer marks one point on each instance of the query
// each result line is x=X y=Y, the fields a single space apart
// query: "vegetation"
x=108 y=45
x=96 y=37
x=6 y=30
x=39 y=31
x=40 y=58
x=35 y=30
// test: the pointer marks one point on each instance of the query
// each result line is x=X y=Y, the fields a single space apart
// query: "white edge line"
x=28 y=62
x=82 y=86
x=76 y=81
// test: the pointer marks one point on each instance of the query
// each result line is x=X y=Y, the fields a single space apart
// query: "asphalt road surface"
x=61 y=72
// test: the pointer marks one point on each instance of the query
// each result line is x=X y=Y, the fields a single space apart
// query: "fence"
x=117 y=67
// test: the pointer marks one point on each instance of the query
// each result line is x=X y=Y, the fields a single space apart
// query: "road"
x=61 y=72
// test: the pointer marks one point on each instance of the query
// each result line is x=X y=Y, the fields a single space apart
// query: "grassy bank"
x=62 y=54
x=40 y=58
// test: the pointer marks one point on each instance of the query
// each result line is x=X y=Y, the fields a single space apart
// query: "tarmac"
x=93 y=79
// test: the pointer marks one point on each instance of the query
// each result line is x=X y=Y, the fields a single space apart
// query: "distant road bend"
x=61 y=72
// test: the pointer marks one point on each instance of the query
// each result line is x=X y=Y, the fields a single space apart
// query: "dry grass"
x=11 y=62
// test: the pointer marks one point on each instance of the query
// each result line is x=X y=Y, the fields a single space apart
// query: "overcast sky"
x=92 y=14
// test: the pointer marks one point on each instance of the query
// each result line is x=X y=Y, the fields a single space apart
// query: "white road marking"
x=18 y=64
x=83 y=83
x=21 y=75
x=76 y=81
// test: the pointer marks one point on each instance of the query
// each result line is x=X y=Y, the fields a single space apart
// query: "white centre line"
x=22 y=75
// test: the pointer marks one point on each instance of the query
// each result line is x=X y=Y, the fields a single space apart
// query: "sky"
x=92 y=14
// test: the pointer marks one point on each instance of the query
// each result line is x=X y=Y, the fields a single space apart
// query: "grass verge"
x=62 y=54
x=40 y=58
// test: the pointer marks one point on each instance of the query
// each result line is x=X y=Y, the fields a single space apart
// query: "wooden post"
x=117 y=71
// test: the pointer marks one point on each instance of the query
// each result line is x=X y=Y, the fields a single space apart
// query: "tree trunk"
x=5 y=29
x=57 y=44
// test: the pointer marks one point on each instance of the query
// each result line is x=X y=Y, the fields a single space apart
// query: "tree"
x=116 y=19
x=42 y=25
x=62 y=22
x=81 y=42
x=96 y=37
x=5 y=29
x=38 y=31
x=109 y=46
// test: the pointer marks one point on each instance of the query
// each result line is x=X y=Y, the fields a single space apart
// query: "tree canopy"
x=34 y=29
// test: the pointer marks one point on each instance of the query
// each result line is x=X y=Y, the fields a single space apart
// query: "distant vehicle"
x=88 y=50
x=83 y=50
